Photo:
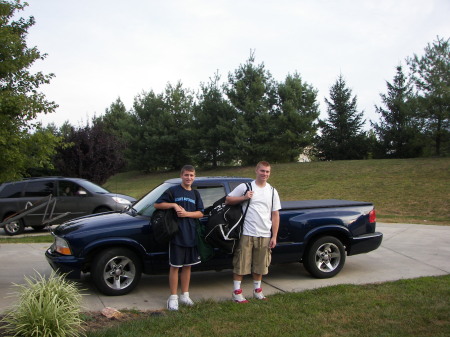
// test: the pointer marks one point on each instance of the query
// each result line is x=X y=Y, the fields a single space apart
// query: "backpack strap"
x=169 y=192
x=249 y=188
x=271 y=207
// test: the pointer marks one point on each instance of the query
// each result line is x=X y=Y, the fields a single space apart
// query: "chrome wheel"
x=14 y=228
x=119 y=272
x=328 y=257
x=325 y=257
x=116 y=271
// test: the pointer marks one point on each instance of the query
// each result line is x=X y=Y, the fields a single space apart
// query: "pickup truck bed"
x=323 y=203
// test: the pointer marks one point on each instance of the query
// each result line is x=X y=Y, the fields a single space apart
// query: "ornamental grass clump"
x=47 y=308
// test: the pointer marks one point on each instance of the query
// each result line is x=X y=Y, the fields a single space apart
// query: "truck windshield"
x=145 y=205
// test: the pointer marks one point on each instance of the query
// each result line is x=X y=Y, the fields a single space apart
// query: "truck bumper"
x=62 y=264
x=365 y=243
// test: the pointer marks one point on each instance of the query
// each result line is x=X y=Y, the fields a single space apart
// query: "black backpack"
x=164 y=224
x=224 y=226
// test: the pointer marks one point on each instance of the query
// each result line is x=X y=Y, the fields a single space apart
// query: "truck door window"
x=210 y=194
x=234 y=184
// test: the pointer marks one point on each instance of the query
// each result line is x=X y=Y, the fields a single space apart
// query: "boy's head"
x=262 y=171
x=262 y=163
x=188 y=168
x=187 y=176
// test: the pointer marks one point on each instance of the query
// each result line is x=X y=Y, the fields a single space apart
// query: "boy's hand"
x=181 y=212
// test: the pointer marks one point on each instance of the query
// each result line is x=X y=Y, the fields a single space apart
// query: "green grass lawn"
x=418 y=307
x=403 y=190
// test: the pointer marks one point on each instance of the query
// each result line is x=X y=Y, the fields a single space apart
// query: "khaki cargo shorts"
x=253 y=255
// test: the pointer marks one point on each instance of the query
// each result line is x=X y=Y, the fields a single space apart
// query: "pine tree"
x=213 y=141
x=252 y=92
x=342 y=136
x=298 y=111
x=398 y=131
x=431 y=75
x=160 y=130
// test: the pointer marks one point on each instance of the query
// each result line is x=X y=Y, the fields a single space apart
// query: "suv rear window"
x=12 y=190
x=39 y=188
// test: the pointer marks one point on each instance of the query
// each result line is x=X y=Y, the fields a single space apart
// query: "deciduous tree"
x=20 y=99
x=91 y=153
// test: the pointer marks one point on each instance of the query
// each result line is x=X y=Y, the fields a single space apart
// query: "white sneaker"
x=238 y=297
x=172 y=302
x=186 y=300
x=258 y=294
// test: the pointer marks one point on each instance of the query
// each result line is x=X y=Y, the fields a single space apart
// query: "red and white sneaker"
x=238 y=297
x=258 y=294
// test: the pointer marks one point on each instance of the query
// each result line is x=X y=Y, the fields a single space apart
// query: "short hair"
x=189 y=168
x=262 y=163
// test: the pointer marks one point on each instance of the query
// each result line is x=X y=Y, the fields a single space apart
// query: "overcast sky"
x=100 y=50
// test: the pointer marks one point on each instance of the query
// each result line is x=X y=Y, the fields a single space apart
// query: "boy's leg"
x=185 y=278
x=257 y=277
x=173 y=280
x=261 y=261
x=172 y=302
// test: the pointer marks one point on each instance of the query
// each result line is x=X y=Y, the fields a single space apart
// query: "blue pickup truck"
x=117 y=247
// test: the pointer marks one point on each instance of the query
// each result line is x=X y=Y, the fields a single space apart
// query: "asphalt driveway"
x=407 y=251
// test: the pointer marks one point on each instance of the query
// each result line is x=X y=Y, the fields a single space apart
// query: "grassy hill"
x=403 y=190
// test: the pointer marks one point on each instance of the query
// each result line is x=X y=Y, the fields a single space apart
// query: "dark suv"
x=72 y=197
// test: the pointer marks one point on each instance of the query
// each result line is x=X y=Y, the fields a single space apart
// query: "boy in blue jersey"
x=183 y=252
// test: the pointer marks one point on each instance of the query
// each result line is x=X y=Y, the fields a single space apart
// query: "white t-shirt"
x=258 y=220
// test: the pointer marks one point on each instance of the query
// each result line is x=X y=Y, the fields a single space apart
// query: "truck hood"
x=105 y=222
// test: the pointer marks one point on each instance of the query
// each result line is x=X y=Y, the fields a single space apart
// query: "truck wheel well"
x=90 y=256
x=339 y=235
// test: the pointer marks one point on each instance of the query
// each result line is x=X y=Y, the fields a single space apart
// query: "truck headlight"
x=61 y=246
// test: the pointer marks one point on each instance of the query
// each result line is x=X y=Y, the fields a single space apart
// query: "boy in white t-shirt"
x=259 y=235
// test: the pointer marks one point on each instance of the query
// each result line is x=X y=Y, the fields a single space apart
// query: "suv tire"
x=14 y=228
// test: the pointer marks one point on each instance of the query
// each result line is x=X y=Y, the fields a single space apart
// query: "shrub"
x=47 y=308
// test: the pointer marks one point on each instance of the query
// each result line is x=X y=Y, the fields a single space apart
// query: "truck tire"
x=14 y=228
x=116 y=271
x=325 y=257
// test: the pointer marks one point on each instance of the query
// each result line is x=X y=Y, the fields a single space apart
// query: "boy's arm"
x=167 y=205
x=237 y=200
x=233 y=199
x=182 y=213
x=275 y=226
